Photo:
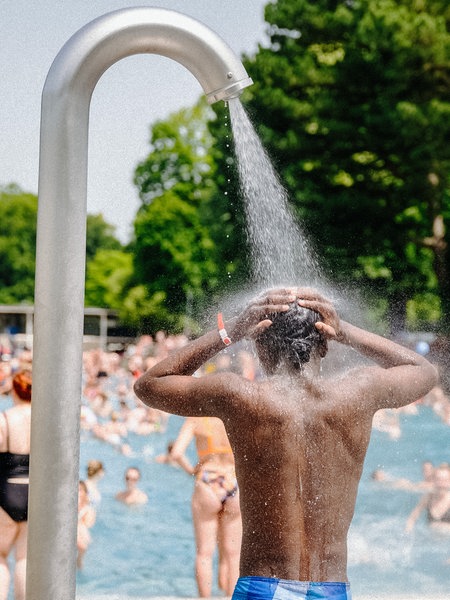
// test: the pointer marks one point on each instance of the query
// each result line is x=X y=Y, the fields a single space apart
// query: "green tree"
x=353 y=100
x=99 y=235
x=175 y=256
x=108 y=266
x=18 y=213
x=179 y=157
x=107 y=278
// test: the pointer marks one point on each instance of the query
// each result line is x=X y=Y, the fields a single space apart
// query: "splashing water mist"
x=280 y=252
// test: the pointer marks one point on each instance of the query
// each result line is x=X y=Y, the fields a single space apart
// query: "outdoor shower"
x=61 y=254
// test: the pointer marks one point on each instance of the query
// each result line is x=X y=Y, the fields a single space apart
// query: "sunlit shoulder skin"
x=299 y=439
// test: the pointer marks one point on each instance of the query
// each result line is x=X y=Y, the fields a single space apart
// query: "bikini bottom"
x=14 y=500
x=226 y=482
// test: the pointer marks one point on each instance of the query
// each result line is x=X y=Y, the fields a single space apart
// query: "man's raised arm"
x=410 y=376
x=185 y=361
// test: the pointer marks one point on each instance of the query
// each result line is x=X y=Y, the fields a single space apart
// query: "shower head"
x=233 y=90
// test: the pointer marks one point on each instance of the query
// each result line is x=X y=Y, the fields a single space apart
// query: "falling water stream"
x=280 y=250
x=281 y=253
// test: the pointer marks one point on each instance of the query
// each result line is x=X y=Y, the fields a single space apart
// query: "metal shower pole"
x=61 y=253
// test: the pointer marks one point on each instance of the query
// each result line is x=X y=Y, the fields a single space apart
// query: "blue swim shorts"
x=270 y=588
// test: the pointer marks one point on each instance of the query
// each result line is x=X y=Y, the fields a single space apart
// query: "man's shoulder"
x=360 y=374
x=230 y=384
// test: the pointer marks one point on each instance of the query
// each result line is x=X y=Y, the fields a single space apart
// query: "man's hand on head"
x=255 y=318
x=329 y=325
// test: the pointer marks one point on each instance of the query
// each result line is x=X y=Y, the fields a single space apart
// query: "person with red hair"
x=14 y=470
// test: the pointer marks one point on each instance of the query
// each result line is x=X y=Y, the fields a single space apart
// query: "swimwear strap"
x=222 y=331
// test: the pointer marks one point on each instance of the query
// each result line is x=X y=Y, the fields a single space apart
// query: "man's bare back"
x=298 y=487
x=299 y=439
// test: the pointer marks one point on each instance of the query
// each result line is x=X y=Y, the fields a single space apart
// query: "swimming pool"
x=149 y=550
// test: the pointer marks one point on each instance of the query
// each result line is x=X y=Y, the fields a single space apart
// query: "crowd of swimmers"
x=110 y=411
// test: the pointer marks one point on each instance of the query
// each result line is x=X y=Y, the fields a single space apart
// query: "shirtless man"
x=299 y=439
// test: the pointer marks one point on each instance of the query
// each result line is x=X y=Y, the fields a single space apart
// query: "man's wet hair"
x=291 y=339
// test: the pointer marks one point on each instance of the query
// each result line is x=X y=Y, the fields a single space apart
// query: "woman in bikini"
x=215 y=502
x=14 y=470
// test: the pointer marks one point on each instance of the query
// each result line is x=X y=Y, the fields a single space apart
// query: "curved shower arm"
x=111 y=37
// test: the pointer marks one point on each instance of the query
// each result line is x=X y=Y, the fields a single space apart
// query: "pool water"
x=382 y=557
x=149 y=550
x=144 y=550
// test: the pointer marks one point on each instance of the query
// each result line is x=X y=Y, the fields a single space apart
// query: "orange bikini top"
x=211 y=448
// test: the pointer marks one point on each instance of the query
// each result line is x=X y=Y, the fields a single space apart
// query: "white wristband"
x=222 y=331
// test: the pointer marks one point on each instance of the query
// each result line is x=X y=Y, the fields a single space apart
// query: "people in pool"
x=436 y=502
x=402 y=483
x=14 y=471
x=215 y=502
x=132 y=495
x=299 y=437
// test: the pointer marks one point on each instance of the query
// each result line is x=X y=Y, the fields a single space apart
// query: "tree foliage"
x=108 y=266
x=107 y=278
x=174 y=254
x=353 y=100
x=18 y=213
x=99 y=235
